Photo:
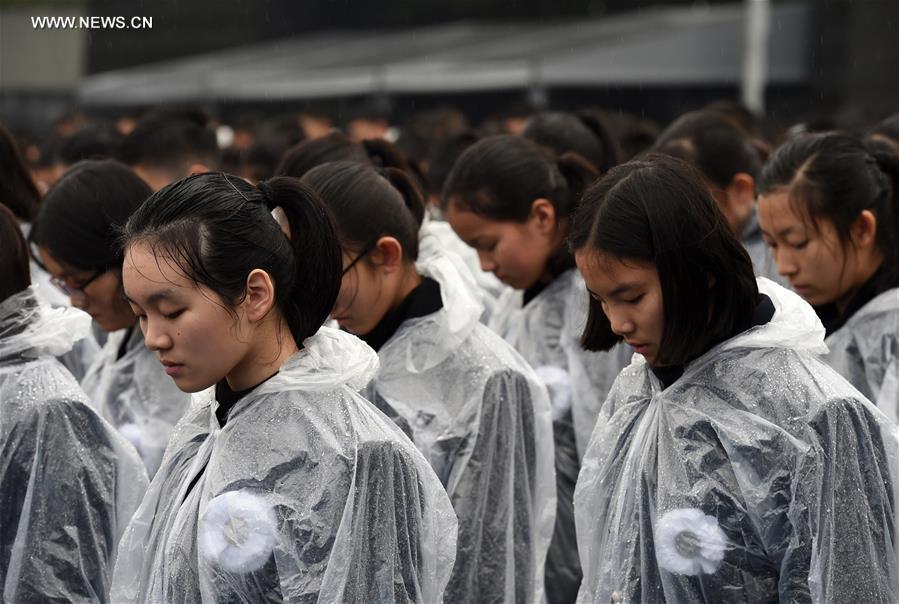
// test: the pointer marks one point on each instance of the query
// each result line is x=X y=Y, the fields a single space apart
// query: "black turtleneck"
x=833 y=319
x=556 y=266
x=763 y=313
x=227 y=398
x=421 y=301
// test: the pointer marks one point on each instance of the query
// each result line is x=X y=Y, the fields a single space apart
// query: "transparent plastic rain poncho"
x=69 y=482
x=308 y=494
x=546 y=332
x=438 y=236
x=135 y=395
x=759 y=475
x=865 y=351
x=481 y=417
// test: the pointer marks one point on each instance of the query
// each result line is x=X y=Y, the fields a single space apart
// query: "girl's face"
x=631 y=297
x=364 y=298
x=515 y=252
x=198 y=341
x=97 y=293
x=819 y=267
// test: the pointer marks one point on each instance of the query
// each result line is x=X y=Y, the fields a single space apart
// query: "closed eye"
x=173 y=315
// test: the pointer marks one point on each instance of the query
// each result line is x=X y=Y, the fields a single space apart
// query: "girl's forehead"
x=146 y=270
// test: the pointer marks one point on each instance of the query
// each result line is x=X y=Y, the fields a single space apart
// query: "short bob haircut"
x=658 y=210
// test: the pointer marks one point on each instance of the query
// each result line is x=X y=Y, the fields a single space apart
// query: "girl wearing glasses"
x=467 y=400
x=281 y=483
x=75 y=235
x=69 y=482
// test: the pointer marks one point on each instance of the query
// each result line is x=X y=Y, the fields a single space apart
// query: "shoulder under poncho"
x=546 y=332
x=135 y=395
x=481 y=417
x=308 y=494
x=69 y=482
x=759 y=475
x=865 y=351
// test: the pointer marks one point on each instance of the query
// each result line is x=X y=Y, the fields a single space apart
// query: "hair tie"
x=268 y=196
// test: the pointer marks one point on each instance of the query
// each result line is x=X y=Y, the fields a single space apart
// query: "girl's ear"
x=260 y=297
x=864 y=230
x=388 y=255
x=543 y=215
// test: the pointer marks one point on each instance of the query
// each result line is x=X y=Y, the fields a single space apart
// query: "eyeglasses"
x=365 y=251
x=65 y=288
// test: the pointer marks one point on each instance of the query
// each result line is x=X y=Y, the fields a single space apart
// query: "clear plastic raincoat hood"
x=758 y=475
x=481 y=417
x=69 y=482
x=866 y=351
x=308 y=494
x=135 y=395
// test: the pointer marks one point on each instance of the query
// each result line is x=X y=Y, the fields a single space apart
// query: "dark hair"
x=368 y=204
x=657 y=209
x=17 y=189
x=336 y=146
x=93 y=141
x=500 y=177
x=14 y=264
x=81 y=214
x=217 y=228
x=832 y=176
x=714 y=143
x=171 y=140
x=884 y=137
x=444 y=157
x=584 y=134
x=633 y=134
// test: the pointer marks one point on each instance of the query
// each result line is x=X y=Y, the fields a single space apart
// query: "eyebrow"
x=780 y=233
x=621 y=289
x=155 y=297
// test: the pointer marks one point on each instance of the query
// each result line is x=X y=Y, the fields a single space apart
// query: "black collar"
x=763 y=313
x=227 y=398
x=557 y=266
x=421 y=301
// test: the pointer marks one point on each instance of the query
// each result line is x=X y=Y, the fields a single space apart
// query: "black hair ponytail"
x=579 y=174
x=310 y=228
x=217 y=228
x=501 y=176
x=368 y=204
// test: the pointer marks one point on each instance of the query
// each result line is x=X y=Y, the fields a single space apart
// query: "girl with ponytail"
x=828 y=211
x=281 y=482
x=468 y=401
x=511 y=202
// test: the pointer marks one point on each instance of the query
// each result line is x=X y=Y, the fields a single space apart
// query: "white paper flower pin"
x=238 y=531
x=688 y=542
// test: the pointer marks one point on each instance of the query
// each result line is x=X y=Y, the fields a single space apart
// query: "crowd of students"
x=572 y=357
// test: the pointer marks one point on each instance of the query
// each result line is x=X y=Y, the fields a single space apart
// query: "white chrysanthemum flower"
x=238 y=531
x=558 y=383
x=688 y=542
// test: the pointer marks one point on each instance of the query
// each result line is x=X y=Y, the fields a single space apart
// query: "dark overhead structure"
x=661 y=47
